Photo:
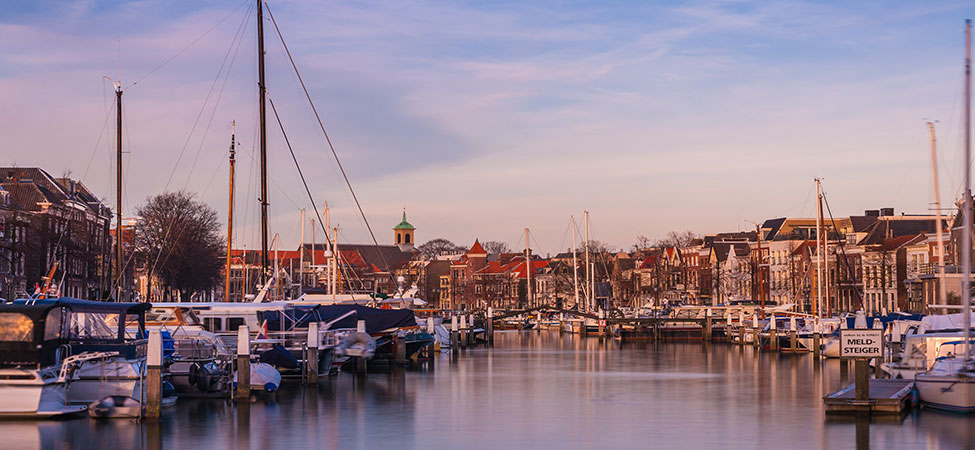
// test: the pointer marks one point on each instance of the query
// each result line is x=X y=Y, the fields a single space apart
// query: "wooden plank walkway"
x=886 y=397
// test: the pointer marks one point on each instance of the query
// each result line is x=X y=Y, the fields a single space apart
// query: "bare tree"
x=496 y=247
x=436 y=247
x=678 y=239
x=642 y=244
x=178 y=239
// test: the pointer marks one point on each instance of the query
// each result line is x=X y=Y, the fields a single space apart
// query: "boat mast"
x=301 y=253
x=943 y=297
x=528 y=269
x=261 y=93
x=120 y=260
x=230 y=210
x=575 y=266
x=966 y=241
x=589 y=277
x=819 y=249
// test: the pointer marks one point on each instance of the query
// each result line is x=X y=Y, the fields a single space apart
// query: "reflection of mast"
x=230 y=211
x=943 y=297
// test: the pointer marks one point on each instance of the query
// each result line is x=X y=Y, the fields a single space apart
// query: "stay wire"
x=321 y=125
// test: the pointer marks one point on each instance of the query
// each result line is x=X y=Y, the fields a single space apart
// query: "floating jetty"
x=885 y=397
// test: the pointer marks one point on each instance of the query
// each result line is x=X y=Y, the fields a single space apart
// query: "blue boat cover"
x=377 y=320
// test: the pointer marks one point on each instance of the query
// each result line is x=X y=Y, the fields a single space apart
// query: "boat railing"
x=196 y=349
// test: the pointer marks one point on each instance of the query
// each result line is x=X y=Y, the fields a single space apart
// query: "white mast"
x=819 y=250
x=528 y=269
x=335 y=261
x=575 y=266
x=943 y=297
x=966 y=234
x=314 y=278
x=589 y=294
x=301 y=256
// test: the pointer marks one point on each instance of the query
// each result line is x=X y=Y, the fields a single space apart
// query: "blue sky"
x=482 y=118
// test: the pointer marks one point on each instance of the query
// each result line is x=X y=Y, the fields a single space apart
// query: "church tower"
x=403 y=234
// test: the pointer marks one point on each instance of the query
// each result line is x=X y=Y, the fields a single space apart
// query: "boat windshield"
x=16 y=327
x=94 y=325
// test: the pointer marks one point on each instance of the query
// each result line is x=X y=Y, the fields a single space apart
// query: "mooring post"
x=432 y=348
x=243 y=364
x=454 y=336
x=656 y=330
x=360 y=363
x=862 y=379
x=490 y=325
x=773 y=338
x=707 y=325
x=399 y=343
x=756 y=339
x=793 y=334
x=154 y=375
x=600 y=324
x=816 y=345
x=311 y=363
x=463 y=331
x=844 y=371
x=471 y=338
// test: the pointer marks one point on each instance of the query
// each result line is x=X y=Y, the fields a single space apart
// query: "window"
x=233 y=323
x=407 y=238
x=16 y=327
x=212 y=324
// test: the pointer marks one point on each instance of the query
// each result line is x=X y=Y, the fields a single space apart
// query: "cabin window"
x=52 y=325
x=88 y=325
x=233 y=323
x=16 y=327
x=212 y=324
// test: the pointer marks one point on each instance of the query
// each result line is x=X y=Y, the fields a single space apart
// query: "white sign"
x=861 y=343
x=602 y=322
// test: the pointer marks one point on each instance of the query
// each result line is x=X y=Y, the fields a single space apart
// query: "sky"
x=484 y=118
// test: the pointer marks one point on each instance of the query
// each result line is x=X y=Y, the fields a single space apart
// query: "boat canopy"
x=377 y=320
x=33 y=331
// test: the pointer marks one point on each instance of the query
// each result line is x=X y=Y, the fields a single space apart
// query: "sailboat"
x=950 y=384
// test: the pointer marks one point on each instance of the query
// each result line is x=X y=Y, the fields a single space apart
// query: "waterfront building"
x=45 y=219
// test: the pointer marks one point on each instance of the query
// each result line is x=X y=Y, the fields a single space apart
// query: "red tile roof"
x=477 y=249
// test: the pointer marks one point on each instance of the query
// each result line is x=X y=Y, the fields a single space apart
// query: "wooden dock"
x=886 y=397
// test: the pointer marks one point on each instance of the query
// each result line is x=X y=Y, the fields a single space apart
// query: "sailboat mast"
x=575 y=265
x=943 y=297
x=966 y=241
x=261 y=93
x=589 y=277
x=301 y=261
x=819 y=250
x=120 y=260
x=230 y=210
x=528 y=269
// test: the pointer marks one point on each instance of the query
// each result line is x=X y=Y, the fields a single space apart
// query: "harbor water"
x=532 y=390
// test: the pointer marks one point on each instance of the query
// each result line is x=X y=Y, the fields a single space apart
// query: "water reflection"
x=533 y=390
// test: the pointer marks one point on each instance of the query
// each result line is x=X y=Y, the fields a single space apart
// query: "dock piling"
x=360 y=364
x=153 y=385
x=243 y=393
x=490 y=325
x=464 y=333
x=311 y=362
x=454 y=336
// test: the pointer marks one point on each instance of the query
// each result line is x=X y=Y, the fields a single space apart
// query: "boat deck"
x=886 y=397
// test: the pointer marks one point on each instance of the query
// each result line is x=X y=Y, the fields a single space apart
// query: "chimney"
x=872 y=213
x=886 y=212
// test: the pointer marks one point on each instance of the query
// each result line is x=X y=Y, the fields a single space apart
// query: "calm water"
x=532 y=390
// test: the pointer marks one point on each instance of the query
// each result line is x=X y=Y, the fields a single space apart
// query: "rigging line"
x=94 y=150
x=240 y=30
x=206 y=100
x=843 y=250
x=216 y=104
x=325 y=133
x=281 y=190
x=192 y=43
x=301 y=174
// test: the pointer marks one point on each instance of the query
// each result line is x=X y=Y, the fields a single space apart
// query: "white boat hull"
x=946 y=392
x=100 y=378
x=26 y=394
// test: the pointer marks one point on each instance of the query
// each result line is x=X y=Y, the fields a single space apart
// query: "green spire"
x=404 y=225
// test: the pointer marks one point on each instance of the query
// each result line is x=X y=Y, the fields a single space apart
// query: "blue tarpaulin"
x=377 y=320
